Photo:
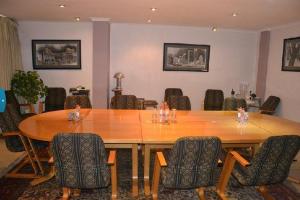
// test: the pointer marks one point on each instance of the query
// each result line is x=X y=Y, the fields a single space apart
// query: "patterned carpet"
x=20 y=189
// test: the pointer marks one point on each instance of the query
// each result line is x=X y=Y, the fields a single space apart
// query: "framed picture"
x=56 y=54
x=291 y=55
x=186 y=57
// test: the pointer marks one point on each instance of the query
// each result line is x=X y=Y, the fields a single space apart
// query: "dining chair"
x=231 y=103
x=172 y=92
x=213 y=99
x=124 y=102
x=55 y=99
x=192 y=164
x=179 y=102
x=82 y=100
x=270 y=165
x=16 y=142
x=81 y=163
x=270 y=105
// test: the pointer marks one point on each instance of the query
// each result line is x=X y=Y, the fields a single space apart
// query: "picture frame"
x=186 y=57
x=291 y=55
x=56 y=54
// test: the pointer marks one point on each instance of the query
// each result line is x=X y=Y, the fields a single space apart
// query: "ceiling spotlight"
x=62 y=5
x=77 y=19
x=149 y=20
x=234 y=14
x=214 y=29
x=153 y=9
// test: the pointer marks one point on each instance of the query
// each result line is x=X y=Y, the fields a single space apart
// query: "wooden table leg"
x=147 y=170
x=135 y=187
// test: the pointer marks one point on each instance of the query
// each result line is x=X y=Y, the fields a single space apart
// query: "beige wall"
x=283 y=84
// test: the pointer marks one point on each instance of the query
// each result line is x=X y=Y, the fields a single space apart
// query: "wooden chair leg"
x=263 y=190
x=66 y=193
x=155 y=179
x=201 y=193
x=76 y=192
x=114 y=183
x=27 y=149
x=37 y=159
x=225 y=175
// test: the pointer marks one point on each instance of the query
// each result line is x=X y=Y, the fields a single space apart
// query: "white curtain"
x=10 y=51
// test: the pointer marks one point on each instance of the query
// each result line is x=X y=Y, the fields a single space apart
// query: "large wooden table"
x=128 y=128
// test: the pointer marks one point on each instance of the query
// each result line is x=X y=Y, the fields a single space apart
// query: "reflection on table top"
x=135 y=126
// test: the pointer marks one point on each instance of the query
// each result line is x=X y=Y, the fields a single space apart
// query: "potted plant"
x=28 y=85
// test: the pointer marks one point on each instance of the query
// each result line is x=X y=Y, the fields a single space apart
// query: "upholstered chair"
x=172 y=92
x=16 y=142
x=81 y=163
x=213 y=99
x=82 y=100
x=270 y=165
x=270 y=105
x=11 y=99
x=192 y=164
x=55 y=99
x=179 y=102
x=231 y=103
x=124 y=102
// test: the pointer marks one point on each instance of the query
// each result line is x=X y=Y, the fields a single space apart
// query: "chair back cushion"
x=231 y=103
x=55 y=99
x=11 y=99
x=192 y=163
x=213 y=99
x=172 y=92
x=80 y=160
x=9 y=121
x=82 y=100
x=271 y=164
x=179 y=102
x=270 y=104
x=124 y=102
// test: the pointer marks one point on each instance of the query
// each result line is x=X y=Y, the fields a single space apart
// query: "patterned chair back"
x=231 y=103
x=213 y=100
x=270 y=104
x=55 y=99
x=11 y=99
x=124 y=102
x=82 y=100
x=179 y=102
x=9 y=121
x=192 y=163
x=80 y=160
x=271 y=164
x=172 y=92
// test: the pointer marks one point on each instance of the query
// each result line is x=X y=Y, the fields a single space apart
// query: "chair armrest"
x=161 y=159
x=239 y=158
x=51 y=160
x=112 y=157
x=12 y=133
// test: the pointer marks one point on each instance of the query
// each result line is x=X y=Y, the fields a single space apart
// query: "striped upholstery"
x=124 y=102
x=82 y=100
x=270 y=105
x=80 y=160
x=271 y=163
x=179 y=102
x=213 y=99
x=192 y=163
x=231 y=103
x=55 y=99
x=172 y=92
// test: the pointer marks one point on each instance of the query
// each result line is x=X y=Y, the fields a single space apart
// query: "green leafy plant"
x=28 y=85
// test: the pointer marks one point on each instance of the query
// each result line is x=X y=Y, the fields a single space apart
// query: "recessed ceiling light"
x=234 y=14
x=214 y=29
x=153 y=9
x=149 y=20
x=77 y=19
x=62 y=5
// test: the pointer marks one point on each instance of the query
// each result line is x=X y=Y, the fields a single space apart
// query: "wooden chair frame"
x=31 y=157
x=160 y=162
x=230 y=160
x=113 y=167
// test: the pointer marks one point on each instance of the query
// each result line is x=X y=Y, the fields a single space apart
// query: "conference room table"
x=129 y=128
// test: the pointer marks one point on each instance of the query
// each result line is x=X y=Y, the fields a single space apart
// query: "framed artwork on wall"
x=186 y=57
x=291 y=54
x=56 y=54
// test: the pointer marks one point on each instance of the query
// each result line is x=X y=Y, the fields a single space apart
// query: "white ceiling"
x=252 y=14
